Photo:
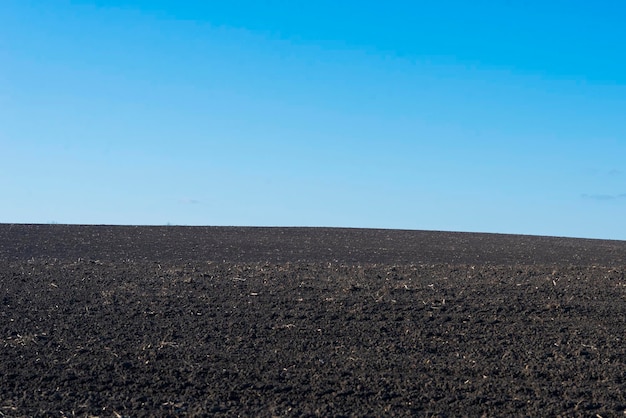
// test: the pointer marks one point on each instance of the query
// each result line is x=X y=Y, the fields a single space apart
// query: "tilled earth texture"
x=222 y=321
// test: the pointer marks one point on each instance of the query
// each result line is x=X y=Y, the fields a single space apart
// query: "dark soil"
x=172 y=321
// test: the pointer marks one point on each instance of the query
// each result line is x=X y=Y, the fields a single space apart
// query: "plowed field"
x=223 y=321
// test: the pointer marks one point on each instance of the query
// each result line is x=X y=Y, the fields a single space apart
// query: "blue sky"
x=484 y=116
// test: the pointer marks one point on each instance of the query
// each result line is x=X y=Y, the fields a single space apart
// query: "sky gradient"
x=484 y=116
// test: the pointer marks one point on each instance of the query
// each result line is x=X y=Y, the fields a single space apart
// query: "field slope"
x=194 y=321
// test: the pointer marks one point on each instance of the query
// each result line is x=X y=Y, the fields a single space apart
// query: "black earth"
x=223 y=321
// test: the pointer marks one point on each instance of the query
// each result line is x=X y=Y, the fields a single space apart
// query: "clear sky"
x=485 y=116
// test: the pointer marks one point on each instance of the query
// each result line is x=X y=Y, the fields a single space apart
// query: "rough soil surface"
x=172 y=321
